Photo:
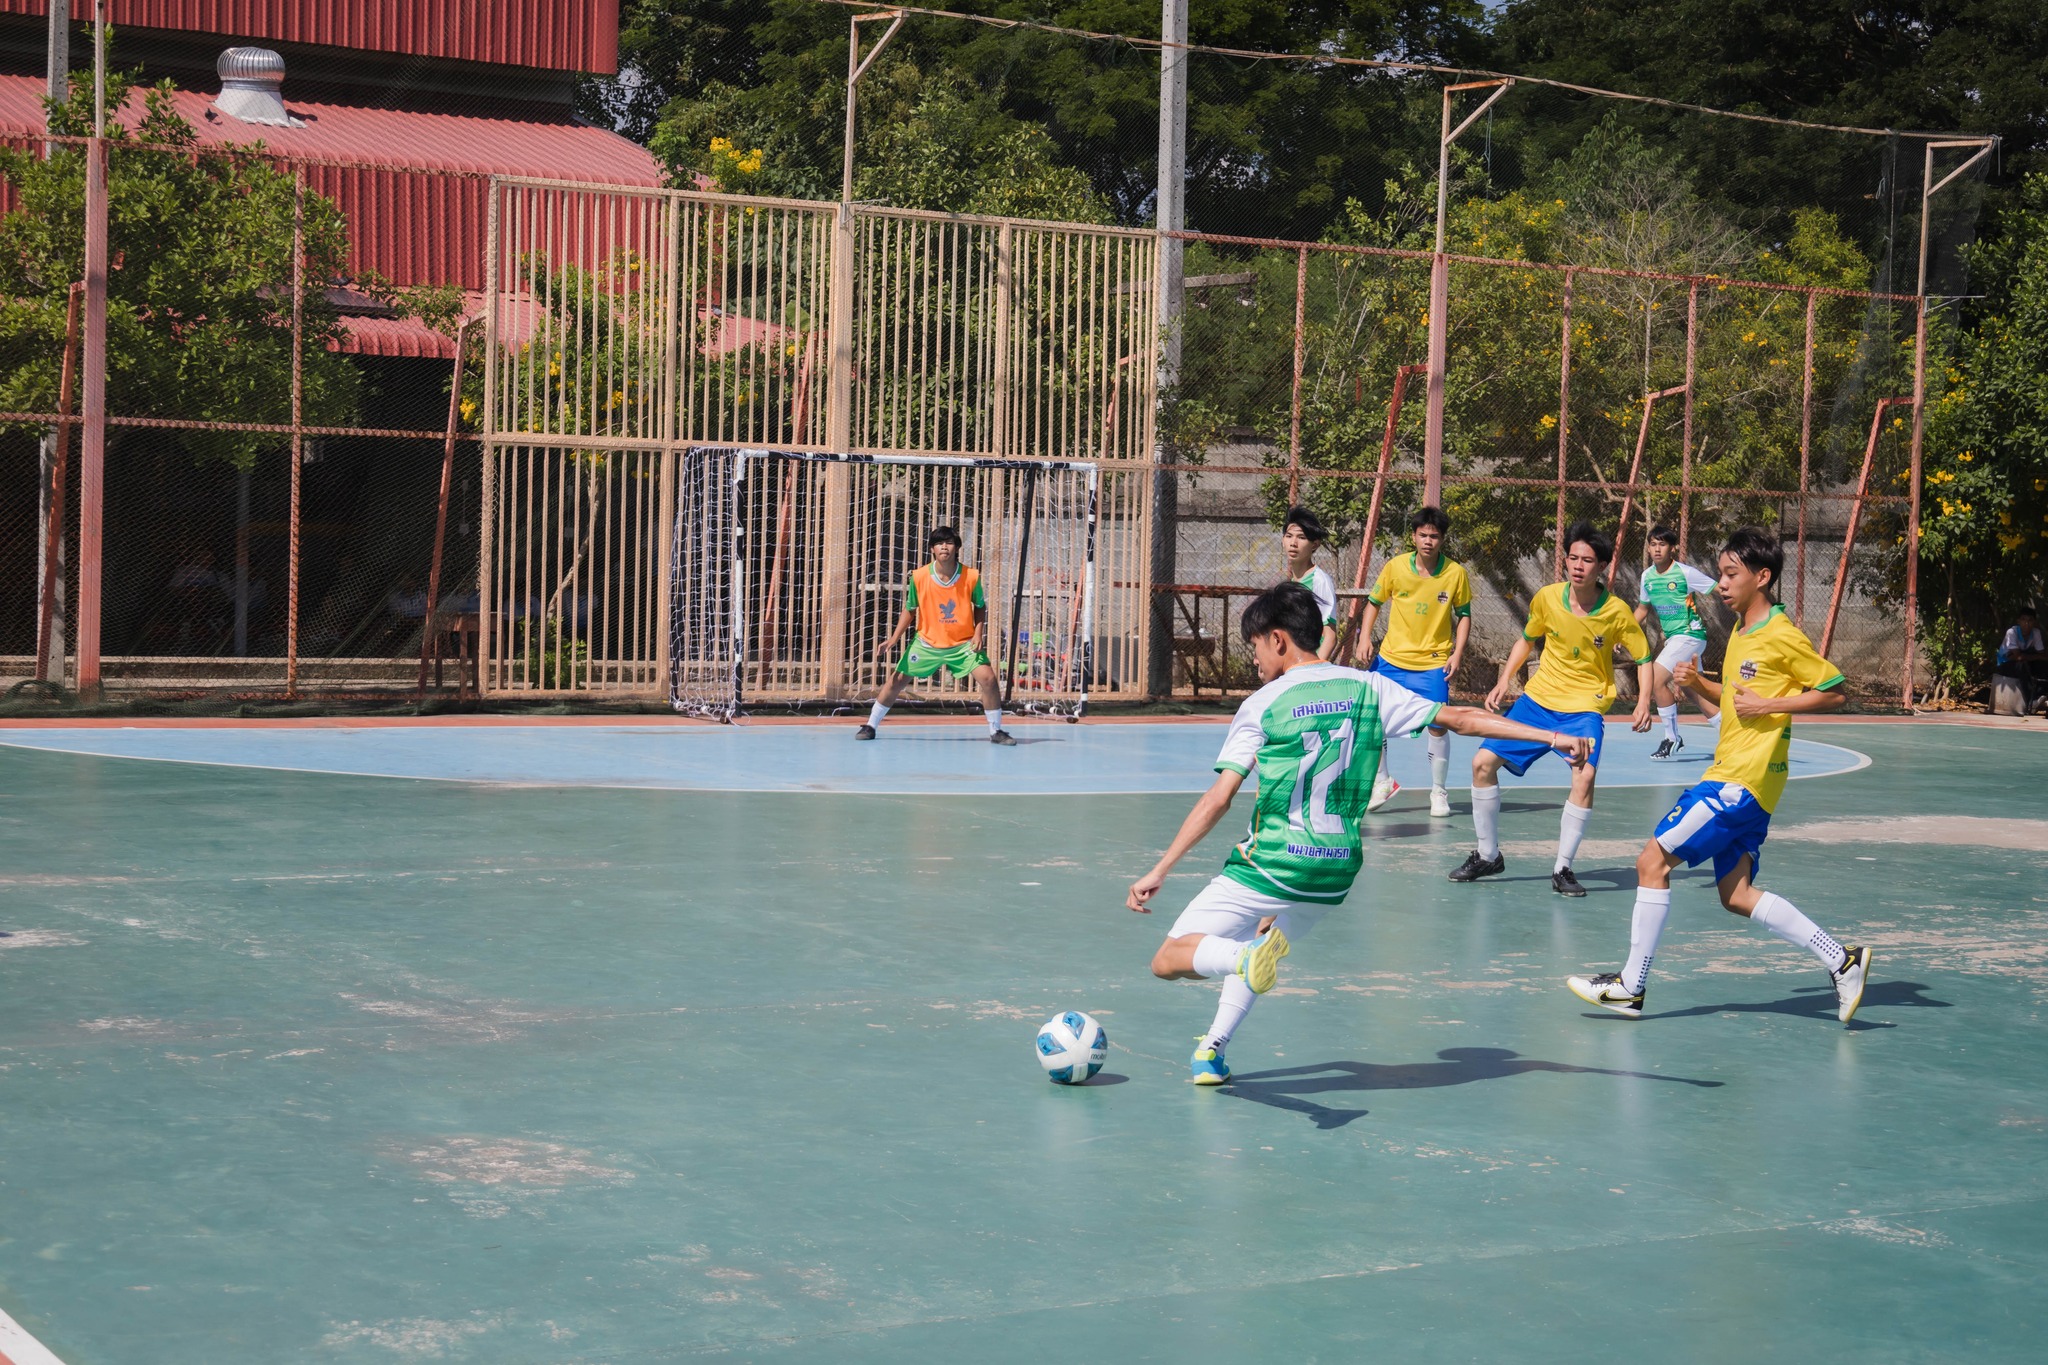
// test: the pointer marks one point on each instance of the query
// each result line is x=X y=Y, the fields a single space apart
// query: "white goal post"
x=788 y=568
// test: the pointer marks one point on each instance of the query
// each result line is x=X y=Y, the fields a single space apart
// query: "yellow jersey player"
x=1581 y=624
x=1427 y=597
x=1771 y=673
x=944 y=601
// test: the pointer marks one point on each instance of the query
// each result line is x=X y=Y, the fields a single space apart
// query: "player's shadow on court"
x=1284 y=1088
x=1815 y=1002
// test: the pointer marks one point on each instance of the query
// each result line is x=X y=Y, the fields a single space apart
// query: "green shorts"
x=922 y=660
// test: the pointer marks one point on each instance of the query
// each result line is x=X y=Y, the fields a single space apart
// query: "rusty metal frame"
x=1827 y=634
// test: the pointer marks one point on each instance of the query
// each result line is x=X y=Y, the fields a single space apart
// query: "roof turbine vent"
x=252 y=87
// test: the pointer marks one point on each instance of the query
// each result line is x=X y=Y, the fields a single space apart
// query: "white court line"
x=17 y=1347
x=1863 y=761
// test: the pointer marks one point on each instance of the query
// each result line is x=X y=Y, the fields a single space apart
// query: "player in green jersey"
x=1313 y=734
x=1302 y=535
x=1673 y=591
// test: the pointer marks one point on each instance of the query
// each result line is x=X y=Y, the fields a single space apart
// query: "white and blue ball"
x=1072 y=1047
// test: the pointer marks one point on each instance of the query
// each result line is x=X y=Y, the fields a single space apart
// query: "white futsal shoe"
x=1439 y=803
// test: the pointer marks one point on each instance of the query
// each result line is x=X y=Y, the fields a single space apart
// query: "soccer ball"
x=1071 y=1048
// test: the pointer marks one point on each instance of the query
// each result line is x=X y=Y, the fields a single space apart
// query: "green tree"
x=199 y=296
x=1984 y=513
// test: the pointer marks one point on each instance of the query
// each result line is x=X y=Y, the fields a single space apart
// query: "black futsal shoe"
x=1002 y=737
x=1606 y=991
x=1668 y=749
x=1565 y=884
x=1474 y=867
x=865 y=732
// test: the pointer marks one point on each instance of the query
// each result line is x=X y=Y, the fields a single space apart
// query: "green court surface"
x=299 y=1067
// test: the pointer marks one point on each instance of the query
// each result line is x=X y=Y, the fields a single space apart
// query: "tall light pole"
x=92 y=461
x=1929 y=187
x=1170 y=216
x=1440 y=289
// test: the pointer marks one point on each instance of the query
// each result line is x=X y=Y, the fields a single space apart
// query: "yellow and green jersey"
x=1313 y=735
x=1422 y=610
x=1577 y=670
x=944 y=608
x=1772 y=658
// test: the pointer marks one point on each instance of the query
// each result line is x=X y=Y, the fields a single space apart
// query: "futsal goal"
x=788 y=568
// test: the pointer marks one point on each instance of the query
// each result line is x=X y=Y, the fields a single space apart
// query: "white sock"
x=876 y=712
x=1486 y=820
x=1782 y=918
x=1669 y=715
x=1383 y=776
x=1439 y=760
x=1653 y=907
x=1571 y=828
x=994 y=719
x=1216 y=956
x=1230 y=1012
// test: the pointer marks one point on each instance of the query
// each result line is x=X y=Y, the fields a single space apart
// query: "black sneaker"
x=1606 y=991
x=1668 y=749
x=1474 y=867
x=1002 y=737
x=865 y=732
x=1565 y=884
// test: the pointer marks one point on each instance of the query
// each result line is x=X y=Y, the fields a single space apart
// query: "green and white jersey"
x=1318 y=581
x=1313 y=736
x=1669 y=594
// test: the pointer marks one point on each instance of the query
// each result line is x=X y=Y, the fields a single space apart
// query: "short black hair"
x=1758 y=550
x=1311 y=525
x=1597 y=540
x=941 y=535
x=1660 y=534
x=1430 y=516
x=2028 y=611
x=1289 y=607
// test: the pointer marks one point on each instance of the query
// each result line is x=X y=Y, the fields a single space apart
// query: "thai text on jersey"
x=944 y=608
x=1314 y=736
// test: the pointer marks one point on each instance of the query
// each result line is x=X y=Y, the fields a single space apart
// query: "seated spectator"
x=2021 y=655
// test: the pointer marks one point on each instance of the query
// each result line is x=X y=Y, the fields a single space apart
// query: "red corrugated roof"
x=553 y=35
x=416 y=204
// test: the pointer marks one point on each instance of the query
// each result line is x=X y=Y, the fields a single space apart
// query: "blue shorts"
x=1718 y=820
x=1431 y=684
x=1517 y=754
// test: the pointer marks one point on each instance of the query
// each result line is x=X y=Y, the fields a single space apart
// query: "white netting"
x=788 y=573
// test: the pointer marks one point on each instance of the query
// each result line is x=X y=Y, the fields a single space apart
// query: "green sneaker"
x=1259 y=963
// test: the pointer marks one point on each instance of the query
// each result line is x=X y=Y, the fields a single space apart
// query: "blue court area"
x=1050 y=758
x=299 y=1066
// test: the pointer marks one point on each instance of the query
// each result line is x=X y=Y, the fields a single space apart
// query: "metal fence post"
x=1564 y=418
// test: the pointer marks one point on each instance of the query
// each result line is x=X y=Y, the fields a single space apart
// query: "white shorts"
x=1230 y=909
x=1680 y=648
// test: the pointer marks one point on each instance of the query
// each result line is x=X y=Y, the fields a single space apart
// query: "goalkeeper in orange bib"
x=943 y=600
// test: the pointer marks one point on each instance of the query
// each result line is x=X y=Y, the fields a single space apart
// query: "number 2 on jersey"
x=1323 y=760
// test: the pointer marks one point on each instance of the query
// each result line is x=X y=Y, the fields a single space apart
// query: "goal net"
x=788 y=571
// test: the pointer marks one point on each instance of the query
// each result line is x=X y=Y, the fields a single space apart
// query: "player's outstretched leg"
x=886 y=698
x=1848 y=967
x=1384 y=787
x=992 y=705
x=1486 y=860
x=1623 y=992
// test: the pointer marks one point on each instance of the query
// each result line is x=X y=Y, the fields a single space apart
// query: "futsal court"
x=580 y=1043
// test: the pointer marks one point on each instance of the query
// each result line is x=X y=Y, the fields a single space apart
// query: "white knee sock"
x=1782 y=918
x=1653 y=907
x=1230 y=1011
x=1486 y=820
x=1669 y=715
x=876 y=712
x=1439 y=760
x=994 y=719
x=1571 y=828
x=1216 y=956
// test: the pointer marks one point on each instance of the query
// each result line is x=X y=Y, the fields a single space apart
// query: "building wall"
x=551 y=35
